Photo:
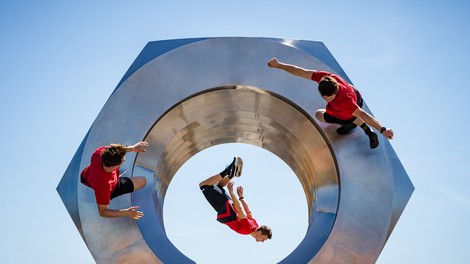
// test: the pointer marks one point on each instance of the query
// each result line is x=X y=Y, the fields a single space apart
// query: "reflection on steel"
x=186 y=95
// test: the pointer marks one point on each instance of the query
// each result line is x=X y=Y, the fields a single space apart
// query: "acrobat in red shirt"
x=345 y=101
x=102 y=182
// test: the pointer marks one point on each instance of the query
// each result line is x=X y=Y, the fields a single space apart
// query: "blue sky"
x=60 y=61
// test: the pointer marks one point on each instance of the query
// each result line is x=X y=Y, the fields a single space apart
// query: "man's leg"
x=346 y=128
x=224 y=181
x=319 y=114
x=373 y=139
x=345 y=125
x=234 y=169
x=128 y=185
x=213 y=193
x=211 y=181
x=139 y=182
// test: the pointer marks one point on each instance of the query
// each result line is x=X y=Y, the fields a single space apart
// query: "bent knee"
x=319 y=114
x=139 y=182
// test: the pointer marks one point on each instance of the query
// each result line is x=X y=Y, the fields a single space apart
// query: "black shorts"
x=221 y=203
x=124 y=185
x=331 y=119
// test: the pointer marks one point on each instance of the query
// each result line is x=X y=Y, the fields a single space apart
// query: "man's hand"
x=130 y=212
x=133 y=213
x=139 y=146
x=273 y=63
x=240 y=191
x=292 y=69
x=230 y=186
x=388 y=133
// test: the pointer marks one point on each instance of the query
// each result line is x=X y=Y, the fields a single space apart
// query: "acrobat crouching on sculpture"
x=343 y=102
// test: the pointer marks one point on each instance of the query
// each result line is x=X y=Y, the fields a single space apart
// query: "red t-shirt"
x=345 y=102
x=243 y=226
x=102 y=182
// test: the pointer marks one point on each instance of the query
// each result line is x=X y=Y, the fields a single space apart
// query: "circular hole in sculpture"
x=272 y=191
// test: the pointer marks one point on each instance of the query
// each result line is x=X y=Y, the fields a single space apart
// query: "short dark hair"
x=113 y=155
x=265 y=231
x=328 y=86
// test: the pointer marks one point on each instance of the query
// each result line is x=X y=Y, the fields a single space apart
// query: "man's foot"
x=346 y=128
x=235 y=168
x=373 y=140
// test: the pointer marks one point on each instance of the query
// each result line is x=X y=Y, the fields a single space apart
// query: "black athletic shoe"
x=373 y=140
x=236 y=167
x=346 y=128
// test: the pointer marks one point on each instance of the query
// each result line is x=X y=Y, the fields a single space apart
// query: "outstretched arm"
x=241 y=197
x=138 y=147
x=292 y=69
x=130 y=212
x=370 y=120
x=236 y=203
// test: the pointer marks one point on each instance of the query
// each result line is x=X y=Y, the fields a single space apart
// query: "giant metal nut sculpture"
x=186 y=95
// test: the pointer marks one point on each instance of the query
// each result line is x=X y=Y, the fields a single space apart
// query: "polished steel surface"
x=184 y=96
